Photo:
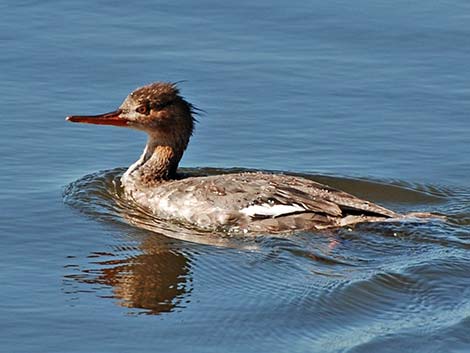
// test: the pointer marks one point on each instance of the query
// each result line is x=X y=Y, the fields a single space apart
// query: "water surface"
x=371 y=98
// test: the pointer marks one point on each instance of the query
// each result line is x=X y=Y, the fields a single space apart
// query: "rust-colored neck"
x=157 y=164
x=161 y=165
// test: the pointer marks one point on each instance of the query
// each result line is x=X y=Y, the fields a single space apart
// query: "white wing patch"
x=268 y=210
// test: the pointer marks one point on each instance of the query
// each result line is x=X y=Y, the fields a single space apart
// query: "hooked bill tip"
x=72 y=119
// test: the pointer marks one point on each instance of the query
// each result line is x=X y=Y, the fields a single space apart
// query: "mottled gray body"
x=226 y=202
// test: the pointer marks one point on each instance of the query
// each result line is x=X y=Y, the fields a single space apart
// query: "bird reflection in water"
x=148 y=270
x=157 y=280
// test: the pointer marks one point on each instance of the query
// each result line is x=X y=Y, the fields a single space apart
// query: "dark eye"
x=142 y=109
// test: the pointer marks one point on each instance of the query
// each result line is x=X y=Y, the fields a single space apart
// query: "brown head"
x=157 y=109
x=160 y=111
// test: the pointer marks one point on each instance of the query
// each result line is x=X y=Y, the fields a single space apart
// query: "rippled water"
x=333 y=289
x=371 y=97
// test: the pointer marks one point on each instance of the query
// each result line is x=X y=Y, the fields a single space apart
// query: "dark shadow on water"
x=147 y=275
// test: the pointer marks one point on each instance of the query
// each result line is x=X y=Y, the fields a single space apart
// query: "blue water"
x=369 y=96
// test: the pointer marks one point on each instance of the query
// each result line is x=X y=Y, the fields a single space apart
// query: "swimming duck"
x=240 y=202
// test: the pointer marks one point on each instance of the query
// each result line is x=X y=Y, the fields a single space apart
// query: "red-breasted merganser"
x=246 y=202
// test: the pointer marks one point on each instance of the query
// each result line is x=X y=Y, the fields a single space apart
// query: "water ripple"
x=337 y=289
